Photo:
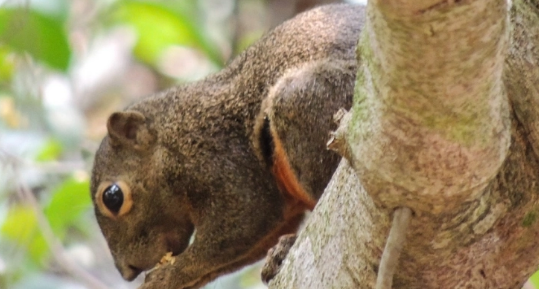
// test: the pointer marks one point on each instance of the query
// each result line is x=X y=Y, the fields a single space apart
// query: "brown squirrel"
x=238 y=156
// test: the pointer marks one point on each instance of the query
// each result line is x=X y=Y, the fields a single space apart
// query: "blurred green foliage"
x=50 y=151
x=21 y=226
x=6 y=65
x=69 y=201
x=534 y=279
x=158 y=27
x=40 y=35
x=50 y=127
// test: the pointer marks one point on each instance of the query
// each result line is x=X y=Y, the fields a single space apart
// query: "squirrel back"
x=239 y=155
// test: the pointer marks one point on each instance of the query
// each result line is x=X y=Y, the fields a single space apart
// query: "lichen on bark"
x=475 y=195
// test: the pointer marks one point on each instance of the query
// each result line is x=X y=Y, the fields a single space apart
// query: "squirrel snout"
x=129 y=272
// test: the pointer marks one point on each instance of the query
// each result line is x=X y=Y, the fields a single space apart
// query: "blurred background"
x=65 y=65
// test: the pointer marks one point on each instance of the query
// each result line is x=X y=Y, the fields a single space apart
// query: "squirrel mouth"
x=168 y=259
x=131 y=272
x=174 y=246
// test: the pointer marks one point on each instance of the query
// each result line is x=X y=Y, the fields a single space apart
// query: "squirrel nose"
x=130 y=272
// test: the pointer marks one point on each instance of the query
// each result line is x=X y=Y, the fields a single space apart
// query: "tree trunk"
x=445 y=121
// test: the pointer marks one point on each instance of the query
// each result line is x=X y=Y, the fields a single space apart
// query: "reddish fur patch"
x=286 y=179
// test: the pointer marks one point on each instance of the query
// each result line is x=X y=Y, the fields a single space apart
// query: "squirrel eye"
x=113 y=198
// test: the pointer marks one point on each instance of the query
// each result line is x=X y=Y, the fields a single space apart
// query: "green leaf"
x=534 y=279
x=42 y=36
x=158 y=28
x=21 y=226
x=68 y=202
x=38 y=248
x=7 y=64
x=50 y=151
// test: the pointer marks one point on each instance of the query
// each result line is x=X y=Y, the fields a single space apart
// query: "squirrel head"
x=140 y=215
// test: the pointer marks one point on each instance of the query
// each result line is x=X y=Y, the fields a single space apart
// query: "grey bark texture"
x=445 y=122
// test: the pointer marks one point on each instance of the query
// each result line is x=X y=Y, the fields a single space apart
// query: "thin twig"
x=393 y=248
x=54 y=244
x=49 y=167
x=58 y=251
x=57 y=167
x=235 y=18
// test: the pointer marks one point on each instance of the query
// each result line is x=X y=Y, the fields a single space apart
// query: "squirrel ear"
x=129 y=128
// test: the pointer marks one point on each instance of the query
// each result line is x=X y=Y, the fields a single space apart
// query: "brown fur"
x=194 y=156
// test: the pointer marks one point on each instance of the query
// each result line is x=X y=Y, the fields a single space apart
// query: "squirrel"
x=234 y=160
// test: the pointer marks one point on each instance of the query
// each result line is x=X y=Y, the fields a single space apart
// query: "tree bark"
x=445 y=121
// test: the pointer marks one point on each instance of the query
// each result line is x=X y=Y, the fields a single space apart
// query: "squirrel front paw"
x=159 y=278
x=275 y=257
x=163 y=275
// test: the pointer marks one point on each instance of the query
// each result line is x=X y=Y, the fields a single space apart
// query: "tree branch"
x=431 y=129
x=431 y=118
x=393 y=248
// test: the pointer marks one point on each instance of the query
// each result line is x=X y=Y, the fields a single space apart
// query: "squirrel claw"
x=276 y=256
